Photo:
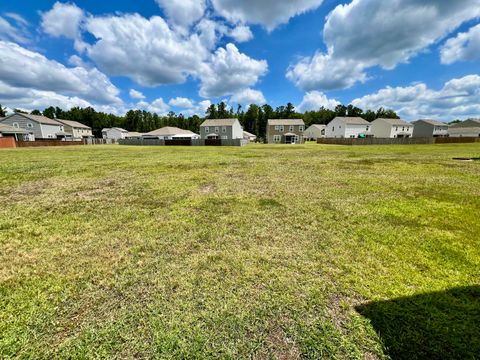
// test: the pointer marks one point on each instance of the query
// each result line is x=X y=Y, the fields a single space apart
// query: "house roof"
x=38 y=118
x=73 y=124
x=467 y=124
x=398 y=122
x=219 y=122
x=274 y=122
x=246 y=133
x=169 y=131
x=134 y=134
x=352 y=120
x=431 y=122
x=115 y=128
x=7 y=129
x=317 y=126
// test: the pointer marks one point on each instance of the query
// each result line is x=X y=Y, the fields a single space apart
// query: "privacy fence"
x=396 y=141
x=183 y=142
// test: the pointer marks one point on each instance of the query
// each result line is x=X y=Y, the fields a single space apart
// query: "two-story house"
x=429 y=128
x=467 y=128
x=225 y=129
x=348 y=127
x=42 y=127
x=285 y=131
x=114 y=133
x=75 y=129
x=391 y=128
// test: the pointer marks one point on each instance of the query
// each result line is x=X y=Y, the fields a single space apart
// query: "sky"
x=420 y=58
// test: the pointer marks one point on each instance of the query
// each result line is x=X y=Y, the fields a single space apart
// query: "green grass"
x=259 y=252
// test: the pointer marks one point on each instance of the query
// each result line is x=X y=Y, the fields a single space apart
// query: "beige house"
x=467 y=128
x=75 y=129
x=249 y=136
x=285 y=131
x=314 y=132
x=391 y=128
x=171 y=133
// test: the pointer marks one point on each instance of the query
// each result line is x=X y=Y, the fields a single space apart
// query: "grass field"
x=259 y=252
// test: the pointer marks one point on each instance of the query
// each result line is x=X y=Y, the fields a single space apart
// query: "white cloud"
x=396 y=31
x=64 y=20
x=183 y=13
x=247 y=97
x=241 y=33
x=465 y=46
x=229 y=71
x=314 y=100
x=157 y=106
x=269 y=13
x=457 y=98
x=50 y=75
x=181 y=102
x=135 y=94
x=17 y=32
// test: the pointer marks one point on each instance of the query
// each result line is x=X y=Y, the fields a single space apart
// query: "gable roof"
x=115 y=128
x=7 y=129
x=246 y=133
x=317 y=126
x=352 y=120
x=274 y=122
x=38 y=118
x=73 y=124
x=467 y=124
x=394 y=122
x=431 y=122
x=169 y=131
x=219 y=122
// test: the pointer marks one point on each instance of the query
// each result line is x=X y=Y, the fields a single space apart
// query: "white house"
x=171 y=133
x=225 y=129
x=114 y=133
x=314 y=132
x=348 y=127
x=467 y=128
x=391 y=128
x=41 y=126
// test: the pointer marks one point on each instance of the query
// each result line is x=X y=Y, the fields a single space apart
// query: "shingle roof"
x=12 y=130
x=39 y=118
x=398 y=122
x=134 y=134
x=467 y=124
x=353 y=120
x=74 y=124
x=318 y=126
x=431 y=122
x=116 y=128
x=219 y=122
x=246 y=133
x=169 y=131
x=285 y=122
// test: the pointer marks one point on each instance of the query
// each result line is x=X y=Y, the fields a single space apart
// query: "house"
x=314 y=132
x=249 y=136
x=170 y=133
x=41 y=126
x=225 y=129
x=17 y=133
x=134 y=135
x=75 y=129
x=467 y=128
x=429 y=128
x=114 y=133
x=348 y=127
x=391 y=128
x=285 y=131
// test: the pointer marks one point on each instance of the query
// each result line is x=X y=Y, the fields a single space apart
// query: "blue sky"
x=420 y=58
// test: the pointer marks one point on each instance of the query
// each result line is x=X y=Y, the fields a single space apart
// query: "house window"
x=216 y=129
x=276 y=138
x=15 y=125
x=333 y=128
x=30 y=125
x=224 y=129
x=396 y=128
x=368 y=128
x=300 y=128
x=207 y=129
x=282 y=129
x=290 y=128
x=224 y=137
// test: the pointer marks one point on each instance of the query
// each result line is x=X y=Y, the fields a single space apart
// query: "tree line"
x=253 y=119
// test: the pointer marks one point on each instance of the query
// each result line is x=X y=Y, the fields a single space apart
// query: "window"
x=368 y=127
x=333 y=128
x=396 y=128
x=300 y=128
x=15 y=125
x=403 y=128
x=30 y=125
x=207 y=129
x=224 y=129
x=277 y=127
x=224 y=137
x=276 y=138
x=290 y=128
x=282 y=129
x=216 y=129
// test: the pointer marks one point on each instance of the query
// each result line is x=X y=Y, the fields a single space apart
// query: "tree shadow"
x=437 y=325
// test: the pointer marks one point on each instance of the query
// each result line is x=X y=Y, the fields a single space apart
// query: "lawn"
x=264 y=252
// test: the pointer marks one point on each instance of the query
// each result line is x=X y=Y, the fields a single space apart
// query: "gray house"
x=41 y=126
x=285 y=131
x=467 y=128
x=75 y=129
x=225 y=129
x=17 y=133
x=429 y=128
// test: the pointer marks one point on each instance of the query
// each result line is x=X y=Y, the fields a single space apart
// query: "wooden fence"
x=39 y=143
x=183 y=142
x=456 y=140
x=7 y=142
x=396 y=141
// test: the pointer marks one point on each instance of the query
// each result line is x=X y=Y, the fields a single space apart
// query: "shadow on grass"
x=438 y=325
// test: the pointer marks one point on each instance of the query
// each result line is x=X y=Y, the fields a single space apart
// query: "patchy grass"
x=260 y=252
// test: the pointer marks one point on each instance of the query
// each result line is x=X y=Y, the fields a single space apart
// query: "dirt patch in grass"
x=208 y=189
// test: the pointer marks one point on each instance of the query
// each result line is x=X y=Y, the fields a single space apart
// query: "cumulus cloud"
x=463 y=47
x=157 y=106
x=183 y=13
x=314 y=100
x=396 y=31
x=228 y=71
x=247 y=97
x=458 y=97
x=50 y=75
x=64 y=20
x=241 y=33
x=135 y=94
x=268 y=13
x=181 y=102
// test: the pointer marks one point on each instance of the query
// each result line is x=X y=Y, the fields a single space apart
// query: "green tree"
x=2 y=111
x=35 y=112
x=49 y=112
